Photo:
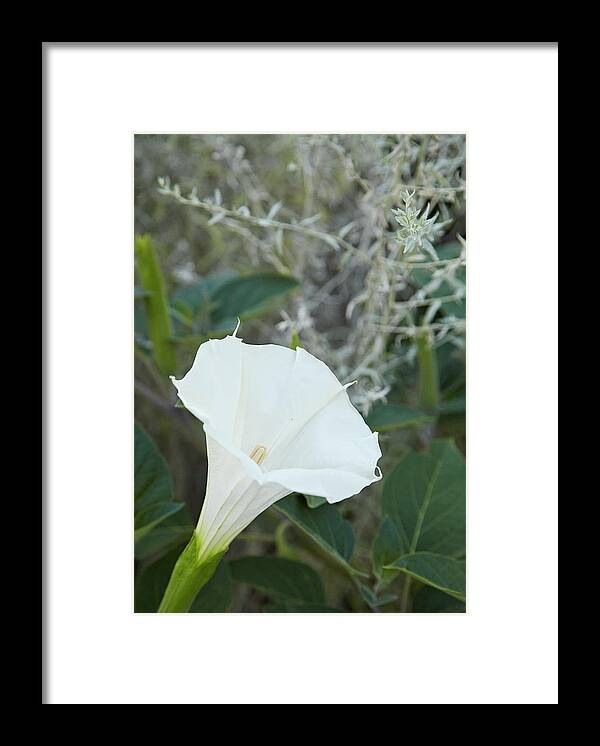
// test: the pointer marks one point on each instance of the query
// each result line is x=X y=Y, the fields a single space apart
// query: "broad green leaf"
x=429 y=600
x=152 y=479
x=279 y=577
x=174 y=531
x=444 y=573
x=151 y=583
x=324 y=525
x=374 y=600
x=424 y=497
x=148 y=518
x=248 y=296
x=194 y=301
x=385 y=417
x=313 y=501
x=157 y=527
x=387 y=547
x=158 y=320
x=292 y=608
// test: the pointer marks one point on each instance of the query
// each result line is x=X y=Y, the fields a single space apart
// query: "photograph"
x=300 y=373
x=299 y=308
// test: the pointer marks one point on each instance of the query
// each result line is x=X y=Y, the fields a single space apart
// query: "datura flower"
x=277 y=421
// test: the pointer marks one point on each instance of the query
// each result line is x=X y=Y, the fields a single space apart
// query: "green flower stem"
x=429 y=384
x=190 y=574
x=404 y=601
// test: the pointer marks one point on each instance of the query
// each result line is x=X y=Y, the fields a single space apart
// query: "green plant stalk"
x=404 y=601
x=160 y=329
x=190 y=574
x=429 y=380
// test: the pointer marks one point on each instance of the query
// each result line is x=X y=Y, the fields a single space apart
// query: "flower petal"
x=211 y=388
x=336 y=451
x=281 y=390
x=234 y=496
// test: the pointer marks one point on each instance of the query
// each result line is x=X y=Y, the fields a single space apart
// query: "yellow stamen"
x=259 y=454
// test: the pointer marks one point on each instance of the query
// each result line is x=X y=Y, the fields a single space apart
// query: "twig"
x=193 y=201
x=412 y=330
x=423 y=188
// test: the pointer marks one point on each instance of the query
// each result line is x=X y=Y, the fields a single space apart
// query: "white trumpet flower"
x=276 y=421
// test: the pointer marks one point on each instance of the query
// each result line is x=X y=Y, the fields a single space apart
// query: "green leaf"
x=373 y=600
x=429 y=600
x=385 y=417
x=449 y=250
x=152 y=479
x=148 y=518
x=174 y=531
x=444 y=573
x=194 y=301
x=158 y=319
x=278 y=577
x=324 y=525
x=387 y=547
x=301 y=609
x=151 y=583
x=458 y=307
x=424 y=497
x=156 y=526
x=313 y=501
x=420 y=277
x=248 y=296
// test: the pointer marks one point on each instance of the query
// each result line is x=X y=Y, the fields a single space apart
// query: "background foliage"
x=353 y=247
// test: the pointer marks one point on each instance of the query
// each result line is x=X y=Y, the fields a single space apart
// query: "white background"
x=504 y=650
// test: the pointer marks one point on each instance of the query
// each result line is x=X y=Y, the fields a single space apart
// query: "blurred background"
x=353 y=247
